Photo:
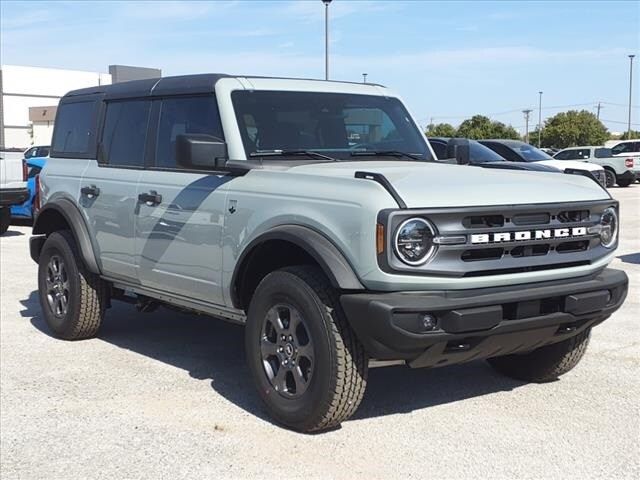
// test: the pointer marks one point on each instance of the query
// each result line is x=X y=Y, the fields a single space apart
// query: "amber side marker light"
x=379 y=238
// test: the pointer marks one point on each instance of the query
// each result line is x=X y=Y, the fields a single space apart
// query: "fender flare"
x=70 y=212
x=332 y=262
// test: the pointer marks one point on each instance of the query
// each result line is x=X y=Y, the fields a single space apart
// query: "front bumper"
x=481 y=323
x=13 y=196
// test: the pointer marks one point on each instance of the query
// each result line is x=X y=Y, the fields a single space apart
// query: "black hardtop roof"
x=183 y=84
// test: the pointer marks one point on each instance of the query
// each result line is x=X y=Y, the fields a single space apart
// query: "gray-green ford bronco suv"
x=313 y=213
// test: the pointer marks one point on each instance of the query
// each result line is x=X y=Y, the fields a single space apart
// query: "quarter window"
x=125 y=133
x=185 y=115
x=75 y=128
x=602 y=152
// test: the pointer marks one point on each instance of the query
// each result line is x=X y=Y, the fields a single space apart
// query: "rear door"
x=109 y=185
x=181 y=211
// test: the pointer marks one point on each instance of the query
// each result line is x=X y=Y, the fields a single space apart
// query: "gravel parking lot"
x=165 y=395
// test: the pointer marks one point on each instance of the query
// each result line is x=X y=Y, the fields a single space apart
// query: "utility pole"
x=526 y=124
x=540 y=120
x=598 y=107
x=326 y=38
x=630 y=94
x=364 y=77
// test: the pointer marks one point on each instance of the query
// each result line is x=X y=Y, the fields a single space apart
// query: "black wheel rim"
x=287 y=351
x=57 y=283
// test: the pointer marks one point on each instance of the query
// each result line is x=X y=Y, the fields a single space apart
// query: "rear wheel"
x=624 y=182
x=73 y=300
x=545 y=363
x=308 y=365
x=610 y=178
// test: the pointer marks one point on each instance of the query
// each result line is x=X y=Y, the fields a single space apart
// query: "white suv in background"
x=618 y=169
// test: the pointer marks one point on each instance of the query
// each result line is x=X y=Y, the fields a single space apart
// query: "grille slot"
x=483 y=221
x=530 y=250
x=542 y=218
x=482 y=254
x=534 y=268
x=576 y=246
x=572 y=216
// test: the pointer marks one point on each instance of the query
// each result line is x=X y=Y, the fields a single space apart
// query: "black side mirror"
x=200 y=151
x=459 y=149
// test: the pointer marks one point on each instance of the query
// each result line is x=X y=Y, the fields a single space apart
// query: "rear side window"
x=125 y=133
x=184 y=115
x=602 y=152
x=626 y=147
x=75 y=127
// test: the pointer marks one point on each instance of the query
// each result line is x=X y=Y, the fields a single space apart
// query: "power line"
x=618 y=121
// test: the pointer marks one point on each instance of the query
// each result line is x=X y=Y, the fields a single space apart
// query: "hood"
x=426 y=184
x=563 y=164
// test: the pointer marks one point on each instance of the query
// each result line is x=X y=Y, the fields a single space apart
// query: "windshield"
x=530 y=153
x=334 y=124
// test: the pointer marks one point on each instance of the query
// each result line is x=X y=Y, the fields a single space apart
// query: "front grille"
x=509 y=239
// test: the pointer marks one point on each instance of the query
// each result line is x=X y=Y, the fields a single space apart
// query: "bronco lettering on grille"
x=528 y=235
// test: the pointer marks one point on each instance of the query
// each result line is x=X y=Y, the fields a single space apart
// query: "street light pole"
x=326 y=38
x=630 y=94
x=540 y=119
x=526 y=124
x=364 y=77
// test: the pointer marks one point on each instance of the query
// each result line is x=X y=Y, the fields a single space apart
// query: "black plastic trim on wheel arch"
x=72 y=215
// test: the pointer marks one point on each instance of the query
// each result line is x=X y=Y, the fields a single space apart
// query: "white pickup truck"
x=618 y=169
x=13 y=186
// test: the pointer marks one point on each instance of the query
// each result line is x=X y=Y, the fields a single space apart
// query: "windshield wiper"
x=292 y=153
x=386 y=153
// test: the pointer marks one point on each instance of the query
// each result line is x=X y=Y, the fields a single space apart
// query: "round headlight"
x=414 y=241
x=609 y=230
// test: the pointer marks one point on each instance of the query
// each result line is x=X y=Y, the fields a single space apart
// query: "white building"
x=29 y=97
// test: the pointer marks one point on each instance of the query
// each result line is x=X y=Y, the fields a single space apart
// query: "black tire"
x=5 y=219
x=545 y=363
x=624 y=182
x=83 y=292
x=338 y=374
x=610 y=178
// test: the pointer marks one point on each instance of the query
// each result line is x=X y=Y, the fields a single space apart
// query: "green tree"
x=625 y=136
x=571 y=129
x=479 y=127
x=440 y=130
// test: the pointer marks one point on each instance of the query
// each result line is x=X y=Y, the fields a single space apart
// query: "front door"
x=181 y=213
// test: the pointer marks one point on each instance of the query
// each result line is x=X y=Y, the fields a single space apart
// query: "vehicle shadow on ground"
x=12 y=233
x=211 y=349
x=631 y=258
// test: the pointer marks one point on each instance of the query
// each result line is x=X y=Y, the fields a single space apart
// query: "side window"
x=74 y=133
x=583 y=154
x=439 y=148
x=125 y=132
x=504 y=152
x=602 y=152
x=625 y=147
x=184 y=115
x=564 y=155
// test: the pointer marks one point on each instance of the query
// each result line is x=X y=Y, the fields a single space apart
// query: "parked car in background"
x=37 y=151
x=517 y=151
x=13 y=189
x=28 y=208
x=626 y=147
x=481 y=156
x=618 y=169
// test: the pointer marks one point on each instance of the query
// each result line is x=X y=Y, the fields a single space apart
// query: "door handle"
x=90 y=192
x=152 y=198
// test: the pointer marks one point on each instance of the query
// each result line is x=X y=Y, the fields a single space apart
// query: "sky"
x=447 y=60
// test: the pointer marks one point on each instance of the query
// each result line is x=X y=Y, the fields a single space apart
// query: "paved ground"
x=164 y=395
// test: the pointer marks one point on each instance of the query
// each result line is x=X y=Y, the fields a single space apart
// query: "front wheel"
x=546 y=363
x=308 y=365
